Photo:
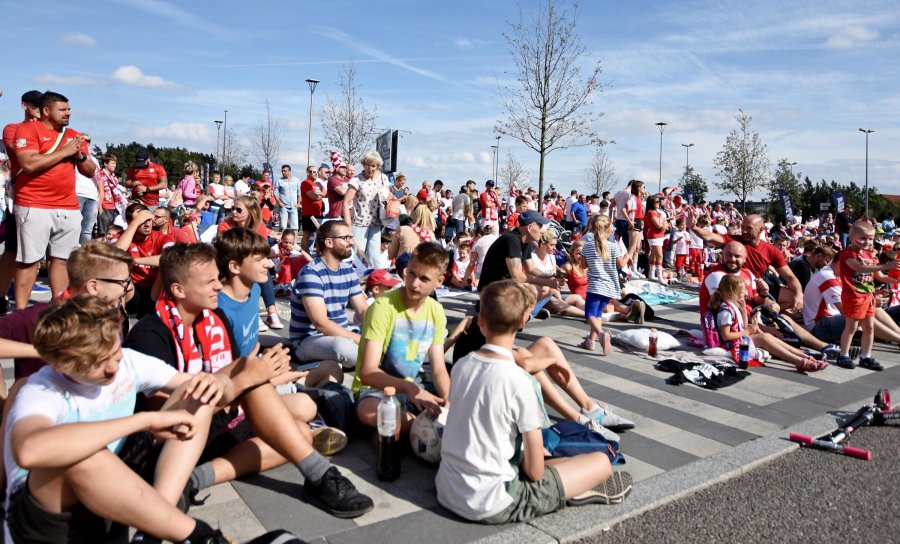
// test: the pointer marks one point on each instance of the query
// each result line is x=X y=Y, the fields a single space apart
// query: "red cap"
x=381 y=277
x=422 y=195
x=677 y=199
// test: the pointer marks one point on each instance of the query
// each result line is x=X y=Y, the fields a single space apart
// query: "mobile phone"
x=307 y=366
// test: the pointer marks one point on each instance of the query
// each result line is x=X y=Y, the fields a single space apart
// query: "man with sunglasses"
x=95 y=268
x=319 y=327
x=145 y=245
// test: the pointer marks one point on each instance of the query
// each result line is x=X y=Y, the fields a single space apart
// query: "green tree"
x=171 y=158
x=742 y=165
x=785 y=179
x=547 y=107
x=695 y=182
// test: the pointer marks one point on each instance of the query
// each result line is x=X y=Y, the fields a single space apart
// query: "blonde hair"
x=599 y=227
x=503 y=305
x=422 y=217
x=862 y=227
x=190 y=168
x=79 y=334
x=730 y=290
x=548 y=236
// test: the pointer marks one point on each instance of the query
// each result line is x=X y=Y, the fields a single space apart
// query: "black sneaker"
x=144 y=538
x=216 y=538
x=542 y=314
x=189 y=498
x=612 y=491
x=279 y=536
x=337 y=495
x=845 y=362
x=870 y=363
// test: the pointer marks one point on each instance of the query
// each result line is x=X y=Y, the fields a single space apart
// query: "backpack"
x=569 y=438
x=710 y=330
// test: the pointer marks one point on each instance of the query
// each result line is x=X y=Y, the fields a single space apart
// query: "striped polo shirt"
x=336 y=287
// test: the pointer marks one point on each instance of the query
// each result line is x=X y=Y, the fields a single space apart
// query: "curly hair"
x=79 y=334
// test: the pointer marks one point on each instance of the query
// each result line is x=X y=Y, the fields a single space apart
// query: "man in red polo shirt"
x=145 y=245
x=760 y=254
x=146 y=180
x=47 y=211
x=31 y=105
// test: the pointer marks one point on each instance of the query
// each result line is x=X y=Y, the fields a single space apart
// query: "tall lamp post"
x=662 y=127
x=687 y=155
x=497 y=164
x=312 y=88
x=224 y=140
x=494 y=165
x=218 y=130
x=867 y=132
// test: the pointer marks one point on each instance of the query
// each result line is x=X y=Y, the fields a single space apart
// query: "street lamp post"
x=312 y=88
x=662 y=127
x=497 y=163
x=224 y=140
x=218 y=130
x=494 y=165
x=867 y=132
x=687 y=155
x=793 y=164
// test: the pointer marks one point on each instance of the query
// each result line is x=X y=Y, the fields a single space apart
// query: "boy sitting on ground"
x=400 y=329
x=484 y=476
x=189 y=332
x=72 y=440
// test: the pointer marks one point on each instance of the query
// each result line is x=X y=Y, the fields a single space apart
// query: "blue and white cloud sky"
x=809 y=73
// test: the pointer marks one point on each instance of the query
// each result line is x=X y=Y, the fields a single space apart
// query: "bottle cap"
x=652 y=330
x=390 y=391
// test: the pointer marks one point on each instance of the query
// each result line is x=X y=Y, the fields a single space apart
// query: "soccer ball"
x=426 y=435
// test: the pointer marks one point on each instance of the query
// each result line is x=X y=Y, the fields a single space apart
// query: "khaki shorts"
x=531 y=499
x=41 y=228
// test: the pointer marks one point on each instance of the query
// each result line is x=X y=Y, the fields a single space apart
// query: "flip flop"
x=808 y=364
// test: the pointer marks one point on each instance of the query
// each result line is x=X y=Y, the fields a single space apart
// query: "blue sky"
x=809 y=73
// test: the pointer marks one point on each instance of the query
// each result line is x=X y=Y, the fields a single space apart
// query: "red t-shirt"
x=229 y=224
x=9 y=142
x=639 y=209
x=53 y=188
x=759 y=257
x=651 y=231
x=856 y=285
x=309 y=206
x=488 y=214
x=185 y=235
x=143 y=275
x=148 y=177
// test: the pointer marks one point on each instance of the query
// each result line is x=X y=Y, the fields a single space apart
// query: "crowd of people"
x=143 y=381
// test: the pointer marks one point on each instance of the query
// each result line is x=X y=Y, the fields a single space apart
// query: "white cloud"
x=132 y=75
x=182 y=132
x=851 y=36
x=68 y=81
x=465 y=156
x=79 y=38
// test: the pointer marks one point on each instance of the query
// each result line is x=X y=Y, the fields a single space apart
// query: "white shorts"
x=40 y=228
x=656 y=242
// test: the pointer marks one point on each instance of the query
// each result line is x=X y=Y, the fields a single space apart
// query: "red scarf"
x=424 y=235
x=214 y=350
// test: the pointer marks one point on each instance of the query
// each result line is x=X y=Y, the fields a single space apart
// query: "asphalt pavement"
x=804 y=496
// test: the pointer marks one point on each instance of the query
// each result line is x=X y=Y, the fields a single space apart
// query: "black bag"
x=277 y=537
x=335 y=404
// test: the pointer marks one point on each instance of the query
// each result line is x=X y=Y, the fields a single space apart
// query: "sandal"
x=809 y=364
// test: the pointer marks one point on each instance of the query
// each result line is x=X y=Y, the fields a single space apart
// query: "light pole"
x=497 y=164
x=687 y=155
x=312 y=88
x=662 y=127
x=224 y=140
x=494 y=165
x=793 y=164
x=867 y=132
x=218 y=130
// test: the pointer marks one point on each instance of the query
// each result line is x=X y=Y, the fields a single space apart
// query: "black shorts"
x=28 y=521
x=306 y=223
x=226 y=431
x=10 y=240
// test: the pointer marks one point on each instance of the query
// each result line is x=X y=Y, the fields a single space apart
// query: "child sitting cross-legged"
x=484 y=475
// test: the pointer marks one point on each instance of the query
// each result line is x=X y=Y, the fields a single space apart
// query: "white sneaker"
x=593 y=425
x=262 y=326
x=274 y=322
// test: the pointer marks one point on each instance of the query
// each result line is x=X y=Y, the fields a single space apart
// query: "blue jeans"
x=287 y=218
x=368 y=240
x=89 y=209
x=540 y=306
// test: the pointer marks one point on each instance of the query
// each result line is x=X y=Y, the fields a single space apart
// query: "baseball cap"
x=140 y=157
x=489 y=183
x=528 y=217
x=381 y=277
x=422 y=195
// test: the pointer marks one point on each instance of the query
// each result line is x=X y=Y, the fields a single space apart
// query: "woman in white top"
x=364 y=204
x=542 y=263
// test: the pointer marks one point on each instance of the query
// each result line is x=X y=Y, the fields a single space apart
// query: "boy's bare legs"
x=561 y=373
x=327 y=371
x=582 y=472
x=867 y=325
x=850 y=326
x=111 y=490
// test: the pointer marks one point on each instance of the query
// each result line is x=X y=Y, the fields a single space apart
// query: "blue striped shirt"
x=336 y=287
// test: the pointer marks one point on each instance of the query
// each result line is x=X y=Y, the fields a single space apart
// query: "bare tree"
x=234 y=155
x=600 y=175
x=348 y=123
x=510 y=173
x=267 y=135
x=547 y=107
x=742 y=165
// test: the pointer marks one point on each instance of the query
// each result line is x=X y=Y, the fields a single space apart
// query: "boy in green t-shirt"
x=400 y=329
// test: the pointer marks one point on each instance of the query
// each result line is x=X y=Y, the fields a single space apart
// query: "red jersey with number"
x=53 y=188
x=148 y=177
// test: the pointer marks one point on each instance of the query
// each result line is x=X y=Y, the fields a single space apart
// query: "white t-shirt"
x=85 y=186
x=625 y=203
x=479 y=442
x=547 y=266
x=481 y=247
x=241 y=187
x=681 y=240
x=696 y=241
x=820 y=296
x=51 y=395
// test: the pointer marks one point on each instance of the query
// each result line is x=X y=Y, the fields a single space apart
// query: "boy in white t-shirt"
x=73 y=446
x=485 y=475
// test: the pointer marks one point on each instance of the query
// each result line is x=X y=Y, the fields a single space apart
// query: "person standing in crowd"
x=337 y=185
x=146 y=179
x=312 y=200
x=47 y=215
x=842 y=223
x=578 y=214
x=287 y=191
x=190 y=184
x=364 y=200
x=490 y=206
x=87 y=189
x=459 y=209
x=113 y=198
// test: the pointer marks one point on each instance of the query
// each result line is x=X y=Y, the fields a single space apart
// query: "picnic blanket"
x=654 y=293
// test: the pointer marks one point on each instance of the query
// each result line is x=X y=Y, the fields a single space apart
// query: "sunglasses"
x=239 y=210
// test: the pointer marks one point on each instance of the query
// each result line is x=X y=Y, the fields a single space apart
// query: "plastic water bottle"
x=651 y=349
x=388 y=448
x=744 y=352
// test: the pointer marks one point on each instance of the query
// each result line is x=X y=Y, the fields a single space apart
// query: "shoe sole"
x=607 y=343
x=341 y=514
x=329 y=441
x=612 y=491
